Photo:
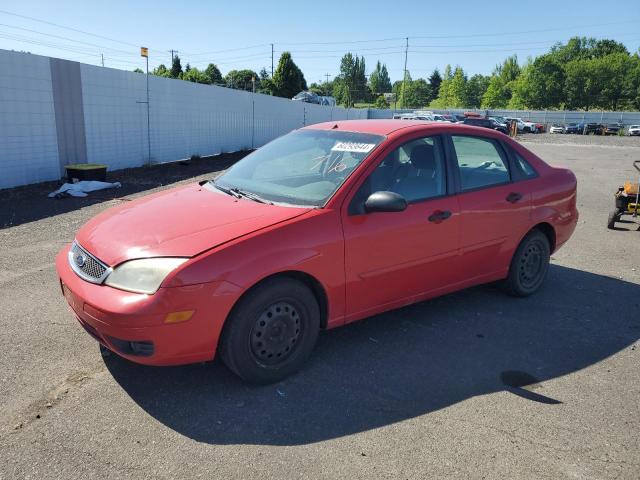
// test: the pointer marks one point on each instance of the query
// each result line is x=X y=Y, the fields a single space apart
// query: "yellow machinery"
x=627 y=200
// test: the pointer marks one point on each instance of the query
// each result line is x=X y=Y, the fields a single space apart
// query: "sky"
x=238 y=34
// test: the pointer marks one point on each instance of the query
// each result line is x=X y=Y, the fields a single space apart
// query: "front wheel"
x=529 y=265
x=271 y=332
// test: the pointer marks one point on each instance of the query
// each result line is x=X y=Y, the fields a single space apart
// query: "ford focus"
x=321 y=227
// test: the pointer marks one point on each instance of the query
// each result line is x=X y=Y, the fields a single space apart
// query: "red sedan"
x=324 y=226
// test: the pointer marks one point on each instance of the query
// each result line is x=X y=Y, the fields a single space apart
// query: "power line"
x=102 y=47
x=213 y=52
x=69 y=28
x=526 y=32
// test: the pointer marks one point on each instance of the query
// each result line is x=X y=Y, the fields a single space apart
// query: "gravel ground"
x=471 y=385
x=580 y=140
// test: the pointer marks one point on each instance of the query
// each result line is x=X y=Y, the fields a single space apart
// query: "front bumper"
x=133 y=325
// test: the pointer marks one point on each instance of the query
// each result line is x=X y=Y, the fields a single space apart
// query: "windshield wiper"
x=249 y=195
x=228 y=191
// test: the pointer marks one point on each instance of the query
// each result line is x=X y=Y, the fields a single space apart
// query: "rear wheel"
x=529 y=265
x=271 y=332
x=614 y=216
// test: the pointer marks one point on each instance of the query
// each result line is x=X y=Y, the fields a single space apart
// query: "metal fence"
x=542 y=116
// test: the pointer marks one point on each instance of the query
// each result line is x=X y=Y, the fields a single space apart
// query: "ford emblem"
x=80 y=260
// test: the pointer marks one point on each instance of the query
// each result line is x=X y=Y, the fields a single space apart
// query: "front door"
x=395 y=257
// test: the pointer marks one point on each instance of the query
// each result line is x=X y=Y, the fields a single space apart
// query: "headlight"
x=144 y=275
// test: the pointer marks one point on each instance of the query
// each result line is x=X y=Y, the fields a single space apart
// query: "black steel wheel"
x=271 y=331
x=276 y=333
x=529 y=265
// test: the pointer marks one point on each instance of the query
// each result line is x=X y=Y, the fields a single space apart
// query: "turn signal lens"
x=177 y=317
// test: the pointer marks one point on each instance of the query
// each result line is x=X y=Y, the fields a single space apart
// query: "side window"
x=526 y=170
x=479 y=162
x=415 y=170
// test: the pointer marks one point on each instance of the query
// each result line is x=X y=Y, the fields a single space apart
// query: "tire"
x=613 y=218
x=271 y=331
x=529 y=265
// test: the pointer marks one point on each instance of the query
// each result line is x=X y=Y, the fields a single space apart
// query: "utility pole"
x=172 y=55
x=102 y=57
x=326 y=87
x=404 y=78
x=144 y=52
x=272 y=60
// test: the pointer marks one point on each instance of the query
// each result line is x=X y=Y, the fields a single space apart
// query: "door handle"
x=439 y=216
x=514 y=197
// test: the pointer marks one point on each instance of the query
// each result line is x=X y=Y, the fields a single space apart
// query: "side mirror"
x=385 y=202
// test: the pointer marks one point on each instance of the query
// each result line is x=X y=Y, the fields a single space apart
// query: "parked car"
x=324 y=226
x=557 y=128
x=439 y=118
x=540 y=127
x=485 y=123
x=611 y=129
x=573 y=128
x=633 y=130
x=593 y=128
x=499 y=119
x=519 y=122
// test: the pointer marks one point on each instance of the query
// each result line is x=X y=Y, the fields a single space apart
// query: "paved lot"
x=472 y=385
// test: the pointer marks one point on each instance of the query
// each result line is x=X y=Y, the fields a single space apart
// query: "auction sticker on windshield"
x=353 y=147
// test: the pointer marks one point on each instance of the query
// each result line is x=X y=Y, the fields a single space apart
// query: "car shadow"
x=30 y=203
x=402 y=364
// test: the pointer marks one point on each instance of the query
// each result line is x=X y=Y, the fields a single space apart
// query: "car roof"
x=378 y=127
x=387 y=127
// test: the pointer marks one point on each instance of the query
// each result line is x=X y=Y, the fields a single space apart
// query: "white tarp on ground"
x=80 y=189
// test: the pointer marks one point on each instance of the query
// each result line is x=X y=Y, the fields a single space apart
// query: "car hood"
x=181 y=222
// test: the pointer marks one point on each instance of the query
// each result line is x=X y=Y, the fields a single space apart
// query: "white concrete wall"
x=185 y=119
x=114 y=122
x=28 y=140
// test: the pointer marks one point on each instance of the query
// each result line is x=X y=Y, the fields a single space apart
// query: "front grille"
x=86 y=265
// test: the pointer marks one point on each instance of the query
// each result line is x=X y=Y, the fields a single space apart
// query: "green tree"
x=350 y=85
x=444 y=99
x=195 y=75
x=138 y=70
x=266 y=83
x=615 y=68
x=379 y=81
x=458 y=88
x=494 y=95
x=374 y=79
x=212 y=72
x=476 y=87
x=176 y=67
x=583 y=83
x=242 y=80
x=435 y=79
x=384 y=80
x=288 y=79
x=381 y=102
x=605 y=47
x=545 y=83
x=161 y=71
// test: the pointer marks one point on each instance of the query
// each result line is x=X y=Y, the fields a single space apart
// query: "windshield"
x=304 y=167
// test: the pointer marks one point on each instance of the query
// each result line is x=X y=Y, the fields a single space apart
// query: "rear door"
x=494 y=211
